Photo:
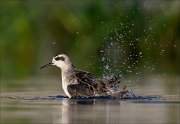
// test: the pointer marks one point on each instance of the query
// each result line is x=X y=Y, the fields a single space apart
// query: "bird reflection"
x=85 y=110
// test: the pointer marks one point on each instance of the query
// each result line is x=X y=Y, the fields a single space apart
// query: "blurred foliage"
x=32 y=32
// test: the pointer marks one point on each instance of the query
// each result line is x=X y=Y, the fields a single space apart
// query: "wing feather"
x=80 y=90
x=84 y=77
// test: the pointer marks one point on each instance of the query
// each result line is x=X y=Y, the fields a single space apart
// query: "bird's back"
x=88 y=86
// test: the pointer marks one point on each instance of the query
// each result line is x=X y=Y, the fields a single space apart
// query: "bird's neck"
x=69 y=68
x=68 y=71
x=68 y=76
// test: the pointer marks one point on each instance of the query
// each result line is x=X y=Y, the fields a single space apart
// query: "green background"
x=94 y=35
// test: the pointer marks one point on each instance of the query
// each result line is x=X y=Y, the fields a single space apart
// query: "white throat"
x=65 y=84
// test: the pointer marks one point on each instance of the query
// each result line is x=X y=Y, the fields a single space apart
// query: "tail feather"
x=112 y=83
x=113 y=80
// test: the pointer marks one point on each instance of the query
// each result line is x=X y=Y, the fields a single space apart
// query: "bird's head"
x=62 y=61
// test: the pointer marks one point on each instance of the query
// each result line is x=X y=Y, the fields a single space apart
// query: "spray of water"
x=121 y=53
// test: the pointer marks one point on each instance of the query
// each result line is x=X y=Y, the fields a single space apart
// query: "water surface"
x=46 y=103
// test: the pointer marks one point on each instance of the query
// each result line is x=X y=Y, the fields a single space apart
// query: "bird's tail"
x=113 y=83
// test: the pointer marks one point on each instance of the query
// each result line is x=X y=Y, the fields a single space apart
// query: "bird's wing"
x=80 y=90
x=84 y=77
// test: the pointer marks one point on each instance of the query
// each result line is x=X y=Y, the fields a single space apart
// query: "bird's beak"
x=47 y=65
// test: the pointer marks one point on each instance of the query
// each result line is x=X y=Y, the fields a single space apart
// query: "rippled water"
x=43 y=101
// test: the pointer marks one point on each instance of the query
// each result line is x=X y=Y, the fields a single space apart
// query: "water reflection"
x=79 y=111
x=64 y=110
x=115 y=111
x=37 y=105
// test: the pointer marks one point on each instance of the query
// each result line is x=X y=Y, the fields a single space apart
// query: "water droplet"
x=107 y=67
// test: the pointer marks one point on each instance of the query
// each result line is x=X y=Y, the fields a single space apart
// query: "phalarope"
x=78 y=84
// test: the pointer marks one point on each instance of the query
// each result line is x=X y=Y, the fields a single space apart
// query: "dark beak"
x=47 y=65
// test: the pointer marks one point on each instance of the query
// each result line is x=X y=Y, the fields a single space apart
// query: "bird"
x=81 y=84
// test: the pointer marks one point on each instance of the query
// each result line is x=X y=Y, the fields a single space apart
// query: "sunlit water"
x=43 y=101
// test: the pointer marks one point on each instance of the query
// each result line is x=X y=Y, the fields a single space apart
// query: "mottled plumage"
x=77 y=83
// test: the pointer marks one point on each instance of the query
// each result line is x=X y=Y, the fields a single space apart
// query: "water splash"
x=127 y=52
x=87 y=100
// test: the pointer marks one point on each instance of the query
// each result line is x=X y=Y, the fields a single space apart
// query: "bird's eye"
x=59 y=58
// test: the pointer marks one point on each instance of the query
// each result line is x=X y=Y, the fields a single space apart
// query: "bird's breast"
x=66 y=80
x=64 y=86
